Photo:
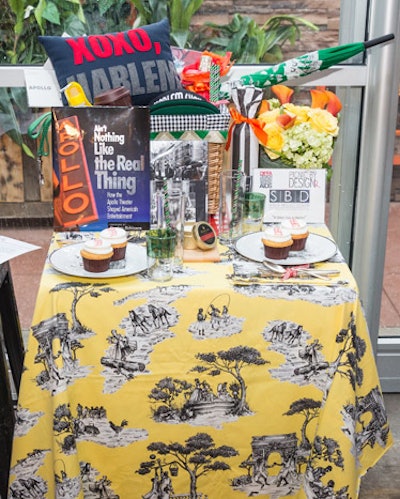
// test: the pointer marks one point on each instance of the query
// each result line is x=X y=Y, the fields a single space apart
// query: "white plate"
x=69 y=261
x=318 y=249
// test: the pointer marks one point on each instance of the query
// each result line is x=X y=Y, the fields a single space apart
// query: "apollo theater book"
x=101 y=161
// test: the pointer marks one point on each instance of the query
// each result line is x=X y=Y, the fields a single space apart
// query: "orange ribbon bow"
x=255 y=126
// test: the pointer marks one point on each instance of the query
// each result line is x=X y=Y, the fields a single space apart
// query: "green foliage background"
x=22 y=21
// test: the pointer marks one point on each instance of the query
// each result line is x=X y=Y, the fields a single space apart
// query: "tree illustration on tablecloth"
x=198 y=456
x=352 y=351
x=322 y=450
x=232 y=361
x=309 y=408
x=166 y=391
x=79 y=290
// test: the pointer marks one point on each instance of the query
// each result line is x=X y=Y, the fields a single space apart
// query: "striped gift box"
x=245 y=145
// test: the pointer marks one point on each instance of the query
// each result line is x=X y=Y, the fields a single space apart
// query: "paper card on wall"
x=101 y=159
x=42 y=87
x=292 y=193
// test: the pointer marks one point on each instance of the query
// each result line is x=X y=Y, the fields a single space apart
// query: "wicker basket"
x=215 y=164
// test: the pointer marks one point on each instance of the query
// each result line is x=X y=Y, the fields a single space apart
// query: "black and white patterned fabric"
x=175 y=123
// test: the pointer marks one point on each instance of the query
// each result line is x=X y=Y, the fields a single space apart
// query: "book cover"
x=101 y=160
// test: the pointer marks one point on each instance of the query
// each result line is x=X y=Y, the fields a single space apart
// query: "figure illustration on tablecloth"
x=91 y=424
x=197 y=456
x=305 y=360
x=200 y=403
x=129 y=353
x=366 y=422
x=279 y=464
x=161 y=484
x=59 y=338
x=34 y=485
x=213 y=320
x=84 y=423
x=120 y=357
x=57 y=352
x=25 y=420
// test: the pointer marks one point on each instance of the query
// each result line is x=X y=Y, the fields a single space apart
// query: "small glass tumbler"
x=160 y=247
x=176 y=207
x=253 y=212
x=231 y=203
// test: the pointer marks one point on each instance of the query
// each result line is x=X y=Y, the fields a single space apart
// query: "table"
x=212 y=385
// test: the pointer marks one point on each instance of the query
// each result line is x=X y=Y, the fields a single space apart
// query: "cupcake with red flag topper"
x=116 y=236
x=298 y=230
x=96 y=255
x=277 y=242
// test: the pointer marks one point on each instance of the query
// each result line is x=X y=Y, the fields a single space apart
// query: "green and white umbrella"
x=309 y=63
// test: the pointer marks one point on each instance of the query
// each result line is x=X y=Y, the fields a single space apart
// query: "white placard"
x=42 y=87
x=10 y=248
x=291 y=193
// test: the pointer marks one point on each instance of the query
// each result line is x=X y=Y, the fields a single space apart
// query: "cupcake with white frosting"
x=116 y=236
x=298 y=230
x=96 y=255
x=277 y=242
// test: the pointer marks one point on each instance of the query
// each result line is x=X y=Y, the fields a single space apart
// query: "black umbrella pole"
x=378 y=41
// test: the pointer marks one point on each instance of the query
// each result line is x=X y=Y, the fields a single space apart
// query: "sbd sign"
x=289 y=196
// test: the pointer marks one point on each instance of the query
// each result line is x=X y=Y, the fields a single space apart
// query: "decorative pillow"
x=139 y=59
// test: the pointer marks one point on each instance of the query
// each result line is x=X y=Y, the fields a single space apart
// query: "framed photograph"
x=183 y=164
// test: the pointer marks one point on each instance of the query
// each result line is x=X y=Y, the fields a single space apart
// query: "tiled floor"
x=390 y=308
x=383 y=480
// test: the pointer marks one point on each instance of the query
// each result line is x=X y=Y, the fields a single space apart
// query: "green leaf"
x=38 y=12
x=74 y=27
x=27 y=150
x=104 y=5
x=179 y=38
x=18 y=7
x=51 y=13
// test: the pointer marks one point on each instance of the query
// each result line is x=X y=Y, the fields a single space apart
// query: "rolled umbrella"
x=309 y=63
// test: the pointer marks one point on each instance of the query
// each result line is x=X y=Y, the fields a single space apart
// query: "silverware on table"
x=300 y=271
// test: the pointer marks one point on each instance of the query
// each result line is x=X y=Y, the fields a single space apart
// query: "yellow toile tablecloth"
x=204 y=387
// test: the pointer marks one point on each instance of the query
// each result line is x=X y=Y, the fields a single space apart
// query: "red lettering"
x=64 y=168
x=67 y=187
x=140 y=39
x=68 y=148
x=75 y=203
x=83 y=203
x=120 y=43
x=80 y=50
x=101 y=46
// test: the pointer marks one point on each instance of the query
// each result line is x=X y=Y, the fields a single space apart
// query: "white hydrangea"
x=305 y=147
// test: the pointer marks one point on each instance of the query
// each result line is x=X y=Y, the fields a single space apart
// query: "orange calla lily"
x=264 y=107
x=334 y=104
x=283 y=93
x=319 y=98
x=285 y=120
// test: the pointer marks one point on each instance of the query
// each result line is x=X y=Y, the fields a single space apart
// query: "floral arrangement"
x=300 y=136
x=197 y=77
